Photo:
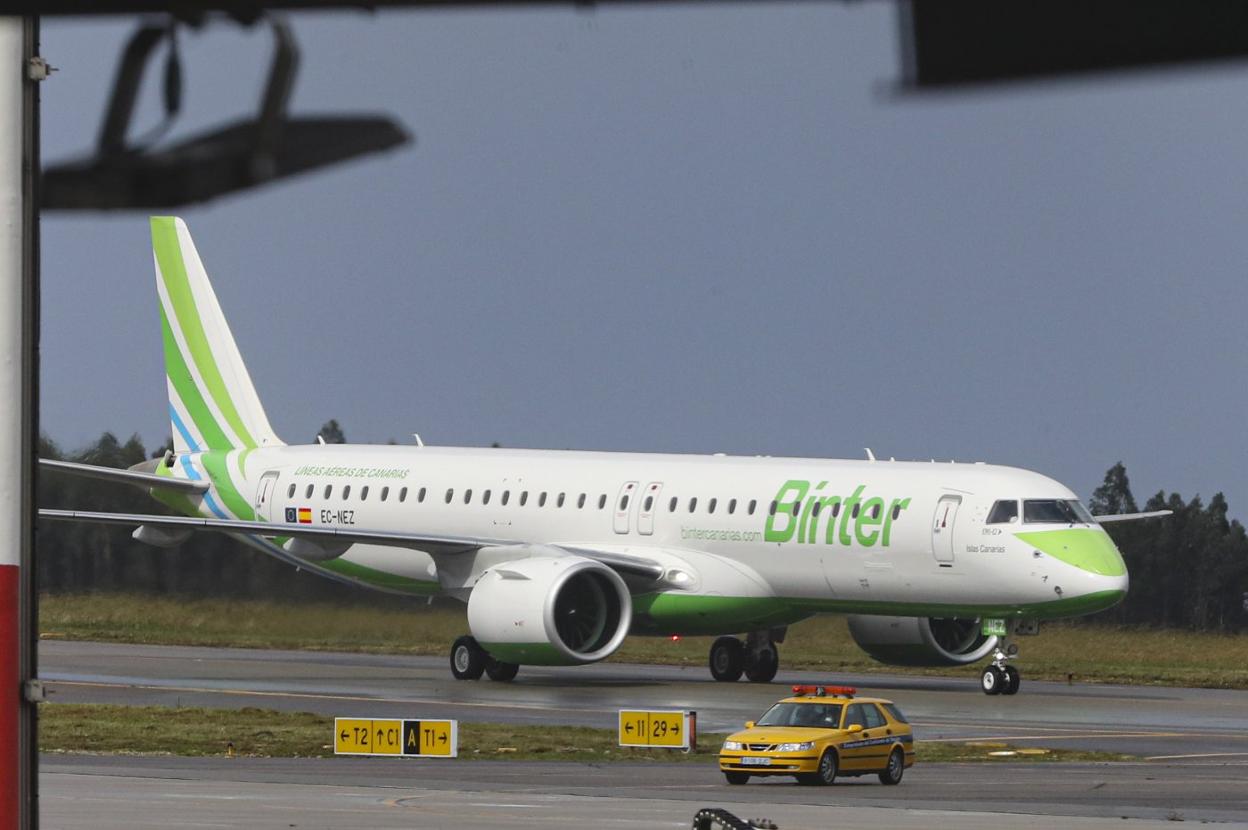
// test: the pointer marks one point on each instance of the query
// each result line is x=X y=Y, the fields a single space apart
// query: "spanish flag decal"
x=305 y=515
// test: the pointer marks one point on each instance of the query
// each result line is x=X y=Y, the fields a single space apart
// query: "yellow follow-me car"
x=819 y=733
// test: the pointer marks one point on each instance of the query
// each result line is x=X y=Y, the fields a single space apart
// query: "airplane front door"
x=942 y=527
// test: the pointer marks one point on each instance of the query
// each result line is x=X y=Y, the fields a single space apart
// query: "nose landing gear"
x=1000 y=678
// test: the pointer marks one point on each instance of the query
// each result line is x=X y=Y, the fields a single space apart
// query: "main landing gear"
x=469 y=661
x=758 y=658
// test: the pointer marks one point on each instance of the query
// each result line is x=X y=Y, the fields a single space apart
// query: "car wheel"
x=467 y=659
x=828 y=767
x=736 y=777
x=727 y=659
x=500 y=671
x=895 y=769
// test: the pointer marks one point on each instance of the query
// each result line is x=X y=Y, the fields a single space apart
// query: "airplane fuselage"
x=746 y=542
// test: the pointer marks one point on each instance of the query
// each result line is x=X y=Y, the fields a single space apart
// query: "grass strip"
x=1063 y=651
x=186 y=731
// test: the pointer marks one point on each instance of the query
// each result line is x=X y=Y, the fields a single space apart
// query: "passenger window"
x=855 y=513
x=559 y=501
x=873 y=716
x=308 y=494
x=875 y=512
x=402 y=494
x=290 y=494
x=485 y=497
x=468 y=496
x=541 y=500
x=693 y=504
x=732 y=506
x=329 y=491
x=814 y=511
x=710 y=506
x=420 y=496
x=1003 y=512
x=836 y=510
x=385 y=493
x=450 y=494
x=772 y=510
x=797 y=507
x=753 y=504
x=896 y=512
x=364 y=493
x=602 y=501
x=524 y=497
x=346 y=492
x=580 y=502
x=671 y=505
x=624 y=502
x=506 y=497
x=895 y=712
x=647 y=504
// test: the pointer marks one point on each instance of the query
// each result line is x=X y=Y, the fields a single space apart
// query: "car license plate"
x=755 y=762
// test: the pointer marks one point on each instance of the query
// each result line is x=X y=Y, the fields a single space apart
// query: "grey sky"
x=692 y=229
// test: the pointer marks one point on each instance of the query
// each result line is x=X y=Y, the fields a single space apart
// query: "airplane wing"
x=435 y=545
x=1109 y=518
x=132 y=477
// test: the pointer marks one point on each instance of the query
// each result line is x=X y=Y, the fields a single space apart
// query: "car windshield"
x=823 y=715
x=1056 y=511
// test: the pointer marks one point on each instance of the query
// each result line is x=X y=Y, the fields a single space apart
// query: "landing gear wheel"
x=1012 y=681
x=500 y=671
x=761 y=666
x=896 y=767
x=467 y=659
x=727 y=659
x=992 y=680
x=825 y=773
x=737 y=777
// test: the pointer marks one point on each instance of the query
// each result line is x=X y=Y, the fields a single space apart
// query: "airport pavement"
x=103 y=793
x=1173 y=724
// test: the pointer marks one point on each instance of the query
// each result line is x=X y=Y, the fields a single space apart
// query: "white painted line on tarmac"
x=1200 y=755
x=319 y=696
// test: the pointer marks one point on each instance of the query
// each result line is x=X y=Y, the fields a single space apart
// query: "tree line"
x=1189 y=570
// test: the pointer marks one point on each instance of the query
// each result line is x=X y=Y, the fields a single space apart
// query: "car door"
x=853 y=748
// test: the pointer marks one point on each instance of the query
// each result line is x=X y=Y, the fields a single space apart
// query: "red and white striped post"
x=18 y=161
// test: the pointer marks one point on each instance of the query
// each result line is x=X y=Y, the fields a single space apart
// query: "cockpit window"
x=1003 y=512
x=1056 y=511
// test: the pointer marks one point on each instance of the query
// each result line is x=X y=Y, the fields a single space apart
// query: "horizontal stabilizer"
x=132 y=477
x=1131 y=517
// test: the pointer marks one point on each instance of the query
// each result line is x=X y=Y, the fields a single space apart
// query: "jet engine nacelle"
x=550 y=610
x=921 y=641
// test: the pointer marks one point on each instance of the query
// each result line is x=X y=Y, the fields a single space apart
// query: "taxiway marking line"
x=311 y=696
x=1200 y=755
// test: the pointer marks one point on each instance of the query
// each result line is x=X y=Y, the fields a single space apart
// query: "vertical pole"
x=15 y=412
x=28 y=781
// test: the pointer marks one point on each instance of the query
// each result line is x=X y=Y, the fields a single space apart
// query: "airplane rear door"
x=942 y=527
x=649 y=504
x=624 y=506
x=265 y=493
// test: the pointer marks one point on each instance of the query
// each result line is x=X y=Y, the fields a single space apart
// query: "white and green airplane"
x=560 y=555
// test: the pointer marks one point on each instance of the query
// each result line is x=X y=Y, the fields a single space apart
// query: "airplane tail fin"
x=212 y=402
